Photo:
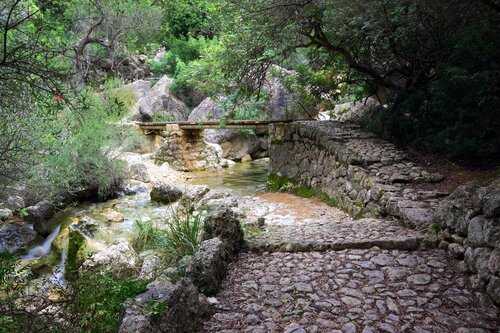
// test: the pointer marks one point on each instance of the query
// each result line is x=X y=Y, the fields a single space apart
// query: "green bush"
x=79 y=160
x=98 y=299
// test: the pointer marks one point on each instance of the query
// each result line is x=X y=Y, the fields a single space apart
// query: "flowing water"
x=241 y=178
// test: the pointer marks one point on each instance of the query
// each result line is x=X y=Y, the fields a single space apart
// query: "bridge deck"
x=211 y=124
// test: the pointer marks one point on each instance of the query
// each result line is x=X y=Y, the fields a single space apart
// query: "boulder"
x=151 y=265
x=208 y=266
x=188 y=151
x=16 y=237
x=458 y=209
x=159 y=101
x=5 y=214
x=139 y=171
x=164 y=192
x=140 y=88
x=40 y=215
x=217 y=198
x=166 y=307
x=235 y=145
x=476 y=261
x=119 y=259
x=15 y=202
x=132 y=187
x=475 y=234
x=77 y=244
x=224 y=224
x=209 y=109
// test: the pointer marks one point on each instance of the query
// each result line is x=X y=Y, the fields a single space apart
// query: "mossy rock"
x=60 y=241
x=76 y=254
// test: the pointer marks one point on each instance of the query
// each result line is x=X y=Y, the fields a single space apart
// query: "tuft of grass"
x=305 y=192
x=179 y=238
x=278 y=183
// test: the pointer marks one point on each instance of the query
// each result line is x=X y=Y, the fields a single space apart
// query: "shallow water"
x=242 y=178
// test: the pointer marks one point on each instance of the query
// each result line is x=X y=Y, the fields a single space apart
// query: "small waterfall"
x=57 y=277
x=44 y=249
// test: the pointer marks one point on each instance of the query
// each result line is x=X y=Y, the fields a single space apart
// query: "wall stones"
x=364 y=174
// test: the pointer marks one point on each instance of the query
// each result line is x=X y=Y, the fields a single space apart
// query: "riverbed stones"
x=165 y=192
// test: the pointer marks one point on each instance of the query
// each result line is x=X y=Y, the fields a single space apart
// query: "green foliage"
x=177 y=238
x=278 y=183
x=98 y=300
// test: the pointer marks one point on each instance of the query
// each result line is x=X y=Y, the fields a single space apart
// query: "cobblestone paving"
x=348 y=291
x=355 y=290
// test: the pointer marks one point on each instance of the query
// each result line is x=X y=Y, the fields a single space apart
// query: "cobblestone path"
x=313 y=269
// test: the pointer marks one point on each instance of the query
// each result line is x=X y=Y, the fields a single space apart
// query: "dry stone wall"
x=470 y=223
x=366 y=176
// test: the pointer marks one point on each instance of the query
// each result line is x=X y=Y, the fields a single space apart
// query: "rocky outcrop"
x=225 y=225
x=165 y=192
x=130 y=69
x=40 y=215
x=166 y=307
x=470 y=223
x=207 y=268
x=351 y=111
x=119 y=259
x=187 y=151
x=282 y=103
x=159 y=101
x=16 y=237
x=209 y=109
x=364 y=175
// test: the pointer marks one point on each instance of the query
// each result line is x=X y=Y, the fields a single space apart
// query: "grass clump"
x=278 y=183
x=178 y=238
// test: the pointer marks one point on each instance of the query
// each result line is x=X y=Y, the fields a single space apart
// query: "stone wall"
x=365 y=175
x=470 y=223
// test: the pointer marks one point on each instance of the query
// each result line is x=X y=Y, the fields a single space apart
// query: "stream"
x=242 y=179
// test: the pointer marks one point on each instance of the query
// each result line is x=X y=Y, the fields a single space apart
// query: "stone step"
x=284 y=234
x=402 y=243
